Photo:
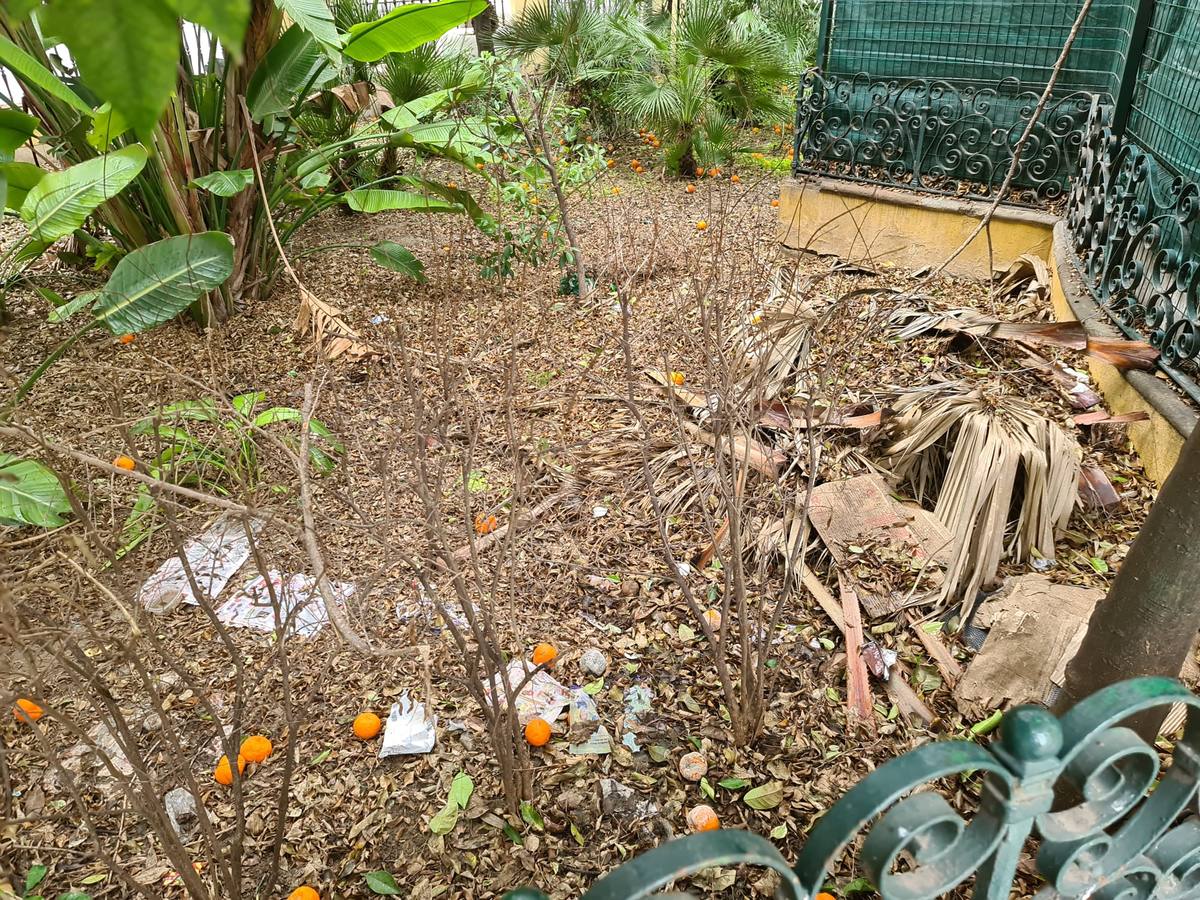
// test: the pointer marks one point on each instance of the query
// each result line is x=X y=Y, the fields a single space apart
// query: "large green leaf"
x=107 y=126
x=226 y=19
x=127 y=52
x=15 y=129
x=30 y=494
x=392 y=256
x=408 y=27
x=60 y=201
x=155 y=283
x=315 y=18
x=295 y=63
x=226 y=183
x=18 y=178
x=33 y=74
x=373 y=200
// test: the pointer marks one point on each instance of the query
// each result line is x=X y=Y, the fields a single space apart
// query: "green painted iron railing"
x=1082 y=793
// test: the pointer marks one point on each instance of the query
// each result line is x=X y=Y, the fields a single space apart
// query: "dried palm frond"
x=973 y=452
x=329 y=331
x=908 y=322
x=776 y=340
x=1028 y=280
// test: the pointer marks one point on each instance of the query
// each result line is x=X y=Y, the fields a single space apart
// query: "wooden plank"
x=950 y=668
x=859 y=707
x=907 y=700
x=821 y=594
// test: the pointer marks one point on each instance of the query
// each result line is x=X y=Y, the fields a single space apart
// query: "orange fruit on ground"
x=452 y=185
x=544 y=653
x=699 y=171
x=714 y=172
x=485 y=524
x=774 y=202
x=124 y=462
x=703 y=818
x=366 y=725
x=223 y=774
x=825 y=895
x=537 y=732
x=701 y=225
x=678 y=378
x=611 y=163
x=479 y=166
x=27 y=709
x=256 y=748
x=691 y=189
x=304 y=892
x=616 y=191
x=126 y=339
x=735 y=179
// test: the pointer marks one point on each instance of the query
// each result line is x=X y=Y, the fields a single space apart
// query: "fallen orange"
x=701 y=225
x=256 y=748
x=774 y=202
x=678 y=378
x=691 y=189
x=223 y=774
x=544 y=653
x=366 y=725
x=537 y=732
x=703 y=818
x=124 y=462
x=126 y=339
x=735 y=179
x=304 y=892
x=23 y=709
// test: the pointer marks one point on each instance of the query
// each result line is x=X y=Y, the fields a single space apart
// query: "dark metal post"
x=823 y=34
x=1132 y=67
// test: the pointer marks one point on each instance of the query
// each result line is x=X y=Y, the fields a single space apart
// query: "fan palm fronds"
x=1004 y=477
x=777 y=338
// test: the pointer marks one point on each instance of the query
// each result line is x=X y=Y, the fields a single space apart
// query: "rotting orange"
x=691 y=189
x=256 y=748
x=27 y=709
x=537 y=732
x=544 y=653
x=701 y=225
x=486 y=524
x=304 y=892
x=125 y=462
x=703 y=818
x=126 y=339
x=366 y=725
x=223 y=774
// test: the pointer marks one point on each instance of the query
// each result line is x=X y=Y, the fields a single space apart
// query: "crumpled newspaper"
x=587 y=734
x=408 y=730
x=544 y=697
x=299 y=600
x=212 y=556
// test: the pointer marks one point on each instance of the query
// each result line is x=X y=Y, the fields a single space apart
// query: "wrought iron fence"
x=1110 y=823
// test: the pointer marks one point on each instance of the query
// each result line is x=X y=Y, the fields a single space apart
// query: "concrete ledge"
x=1159 y=439
x=885 y=226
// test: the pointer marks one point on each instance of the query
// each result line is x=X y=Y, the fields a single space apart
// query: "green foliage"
x=61 y=201
x=392 y=256
x=30 y=494
x=226 y=183
x=409 y=26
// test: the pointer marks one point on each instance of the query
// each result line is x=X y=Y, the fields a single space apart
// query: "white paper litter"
x=407 y=730
x=419 y=607
x=544 y=697
x=583 y=719
x=299 y=602
x=213 y=557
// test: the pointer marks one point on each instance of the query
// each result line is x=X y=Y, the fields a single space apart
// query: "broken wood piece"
x=1122 y=353
x=1103 y=417
x=858 y=688
x=797 y=417
x=756 y=455
x=707 y=554
x=1095 y=490
x=950 y=668
x=907 y=700
x=824 y=598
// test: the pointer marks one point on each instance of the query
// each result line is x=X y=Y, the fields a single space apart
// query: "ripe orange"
x=633 y=163
x=23 y=709
x=366 y=725
x=304 y=892
x=691 y=189
x=714 y=172
x=699 y=171
x=777 y=129
x=479 y=166
x=223 y=774
x=611 y=163
x=452 y=184
x=701 y=225
x=256 y=748
x=124 y=462
x=735 y=179
x=544 y=653
x=678 y=378
x=616 y=191
x=774 y=202
x=126 y=339
x=485 y=524
x=703 y=818
x=537 y=732
x=825 y=895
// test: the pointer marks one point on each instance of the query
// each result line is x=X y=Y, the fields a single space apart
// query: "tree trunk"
x=1148 y=622
x=485 y=25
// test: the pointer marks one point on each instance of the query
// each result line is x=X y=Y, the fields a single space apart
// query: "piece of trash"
x=379 y=319
x=623 y=803
x=543 y=697
x=408 y=731
x=684 y=569
x=419 y=607
x=1103 y=417
x=1042 y=565
x=603 y=584
x=1095 y=490
x=637 y=703
x=879 y=660
x=693 y=766
x=301 y=607
x=593 y=661
x=212 y=557
x=585 y=731
x=599 y=512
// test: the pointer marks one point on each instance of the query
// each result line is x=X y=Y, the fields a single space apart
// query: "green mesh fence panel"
x=1165 y=118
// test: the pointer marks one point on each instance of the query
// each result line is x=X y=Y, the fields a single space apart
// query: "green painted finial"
x=1030 y=734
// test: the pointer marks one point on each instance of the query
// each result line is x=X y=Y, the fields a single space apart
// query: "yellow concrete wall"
x=887 y=227
x=1156 y=441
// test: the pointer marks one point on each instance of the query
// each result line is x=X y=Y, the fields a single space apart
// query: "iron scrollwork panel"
x=1137 y=228
x=937 y=136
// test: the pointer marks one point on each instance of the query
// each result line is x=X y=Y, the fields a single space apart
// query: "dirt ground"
x=544 y=378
